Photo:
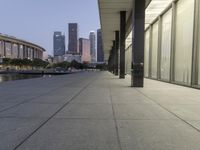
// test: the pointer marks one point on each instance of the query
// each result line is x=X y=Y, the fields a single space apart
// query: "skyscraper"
x=58 y=44
x=73 y=38
x=84 y=49
x=92 y=46
x=100 y=54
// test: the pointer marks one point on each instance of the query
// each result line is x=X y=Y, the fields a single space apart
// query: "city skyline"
x=43 y=18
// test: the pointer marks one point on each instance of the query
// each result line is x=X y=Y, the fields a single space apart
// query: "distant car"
x=59 y=69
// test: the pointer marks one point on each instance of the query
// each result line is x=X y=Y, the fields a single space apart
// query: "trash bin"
x=137 y=71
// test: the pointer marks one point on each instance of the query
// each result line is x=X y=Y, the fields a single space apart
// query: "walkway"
x=97 y=111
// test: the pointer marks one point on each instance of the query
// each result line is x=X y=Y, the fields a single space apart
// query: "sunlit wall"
x=146 y=53
x=184 y=40
x=166 y=45
x=154 y=50
x=169 y=44
x=128 y=53
x=199 y=47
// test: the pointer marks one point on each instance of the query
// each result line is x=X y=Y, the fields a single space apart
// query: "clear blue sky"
x=36 y=20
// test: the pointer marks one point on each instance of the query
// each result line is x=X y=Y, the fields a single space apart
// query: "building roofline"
x=20 y=41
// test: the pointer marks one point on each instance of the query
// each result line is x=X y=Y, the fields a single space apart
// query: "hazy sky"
x=36 y=20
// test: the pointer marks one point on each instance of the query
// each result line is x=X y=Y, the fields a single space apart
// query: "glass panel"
x=15 y=51
x=128 y=60
x=199 y=50
x=35 y=53
x=154 y=9
x=154 y=50
x=146 y=54
x=8 y=50
x=30 y=53
x=21 y=51
x=166 y=45
x=184 y=40
x=1 y=49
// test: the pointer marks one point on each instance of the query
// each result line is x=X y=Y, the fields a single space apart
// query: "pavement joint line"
x=53 y=115
x=115 y=119
x=186 y=122
x=88 y=118
x=21 y=117
x=29 y=100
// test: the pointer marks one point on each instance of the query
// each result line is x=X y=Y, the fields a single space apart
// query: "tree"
x=64 y=65
x=39 y=63
x=16 y=62
x=75 y=64
x=6 y=61
x=101 y=66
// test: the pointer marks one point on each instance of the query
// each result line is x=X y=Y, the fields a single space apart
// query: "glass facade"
x=128 y=56
x=21 y=51
x=146 y=53
x=128 y=53
x=25 y=52
x=14 y=51
x=1 y=48
x=184 y=41
x=199 y=47
x=154 y=50
x=176 y=53
x=14 y=48
x=8 y=46
x=166 y=45
x=35 y=53
x=30 y=53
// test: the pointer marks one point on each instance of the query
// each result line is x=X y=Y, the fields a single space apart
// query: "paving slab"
x=74 y=134
x=186 y=112
x=98 y=111
x=157 y=135
x=91 y=111
x=4 y=106
x=14 y=130
x=141 y=111
x=31 y=110
x=94 y=96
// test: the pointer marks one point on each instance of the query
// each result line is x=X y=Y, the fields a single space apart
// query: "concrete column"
x=137 y=73
x=33 y=53
x=112 y=60
x=18 y=50
x=4 y=49
x=122 y=43
x=173 y=37
x=24 y=51
x=159 y=47
x=195 y=53
x=109 y=63
x=114 y=57
x=11 y=49
x=116 y=52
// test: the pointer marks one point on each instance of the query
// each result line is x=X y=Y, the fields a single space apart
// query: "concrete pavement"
x=97 y=111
